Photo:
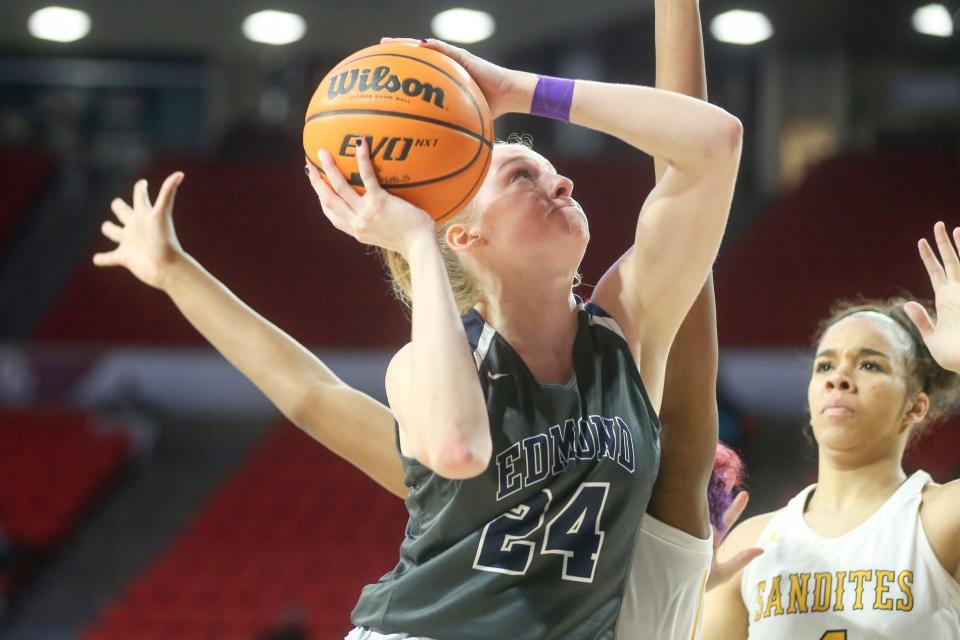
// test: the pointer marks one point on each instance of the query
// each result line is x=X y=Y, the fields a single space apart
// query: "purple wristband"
x=552 y=98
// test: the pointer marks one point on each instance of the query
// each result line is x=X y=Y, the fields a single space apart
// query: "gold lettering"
x=858 y=577
x=760 y=589
x=838 y=600
x=905 y=580
x=798 y=592
x=881 y=601
x=823 y=585
x=773 y=601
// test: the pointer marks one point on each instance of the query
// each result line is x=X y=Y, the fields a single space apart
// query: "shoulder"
x=610 y=327
x=937 y=496
x=940 y=502
x=599 y=317
x=610 y=300
x=397 y=367
x=397 y=380
x=941 y=522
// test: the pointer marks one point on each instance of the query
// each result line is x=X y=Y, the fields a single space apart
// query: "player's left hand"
x=942 y=338
x=505 y=89
x=147 y=243
x=720 y=572
x=377 y=217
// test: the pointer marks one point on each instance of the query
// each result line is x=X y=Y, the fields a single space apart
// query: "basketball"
x=425 y=121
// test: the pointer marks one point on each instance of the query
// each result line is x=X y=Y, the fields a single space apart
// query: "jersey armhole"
x=403 y=457
x=599 y=316
x=940 y=573
x=679 y=538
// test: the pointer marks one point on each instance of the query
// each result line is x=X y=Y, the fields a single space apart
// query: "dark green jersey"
x=537 y=546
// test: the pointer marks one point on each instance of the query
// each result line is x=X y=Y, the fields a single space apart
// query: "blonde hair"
x=466 y=294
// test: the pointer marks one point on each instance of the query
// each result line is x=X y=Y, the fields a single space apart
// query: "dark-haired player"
x=867 y=552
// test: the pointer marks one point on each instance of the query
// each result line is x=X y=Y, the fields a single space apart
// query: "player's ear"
x=917 y=408
x=462 y=237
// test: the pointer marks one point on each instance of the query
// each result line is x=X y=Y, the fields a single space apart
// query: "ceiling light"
x=933 y=20
x=58 y=24
x=741 y=27
x=463 y=25
x=274 y=27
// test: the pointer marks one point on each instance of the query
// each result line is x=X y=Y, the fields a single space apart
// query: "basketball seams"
x=400 y=114
x=482 y=153
x=469 y=163
x=463 y=88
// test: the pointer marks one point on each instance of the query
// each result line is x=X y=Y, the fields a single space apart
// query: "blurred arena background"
x=148 y=491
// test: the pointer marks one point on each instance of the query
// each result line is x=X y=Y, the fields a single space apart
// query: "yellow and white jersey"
x=880 y=580
x=663 y=599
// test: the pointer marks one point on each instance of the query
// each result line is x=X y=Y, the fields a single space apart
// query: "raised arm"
x=351 y=424
x=432 y=383
x=940 y=511
x=651 y=288
x=689 y=410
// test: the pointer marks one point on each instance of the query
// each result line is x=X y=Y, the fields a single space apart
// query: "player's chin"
x=838 y=435
x=571 y=221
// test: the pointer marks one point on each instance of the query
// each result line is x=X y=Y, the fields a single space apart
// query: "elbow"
x=733 y=133
x=458 y=458
x=726 y=138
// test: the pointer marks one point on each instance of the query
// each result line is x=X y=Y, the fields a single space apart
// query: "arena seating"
x=53 y=467
x=936 y=452
x=850 y=229
x=295 y=529
x=19 y=189
x=258 y=228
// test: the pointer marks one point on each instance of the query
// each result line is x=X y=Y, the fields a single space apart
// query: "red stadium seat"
x=270 y=541
x=69 y=461
x=20 y=189
x=850 y=229
x=258 y=228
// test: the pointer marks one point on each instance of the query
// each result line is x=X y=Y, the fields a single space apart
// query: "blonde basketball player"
x=867 y=552
x=530 y=479
x=682 y=495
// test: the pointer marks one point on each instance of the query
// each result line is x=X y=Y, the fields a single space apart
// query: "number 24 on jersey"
x=574 y=533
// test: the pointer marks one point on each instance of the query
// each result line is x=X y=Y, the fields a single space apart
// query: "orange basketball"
x=425 y=121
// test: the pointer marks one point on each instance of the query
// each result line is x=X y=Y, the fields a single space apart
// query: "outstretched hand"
x=720 y=572
x=503 y=88
x=377 y=217
x=943 y=337
x=146 y=239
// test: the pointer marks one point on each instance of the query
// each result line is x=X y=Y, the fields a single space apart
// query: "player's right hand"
x=146 y=240
x=506 y=90
x=377 y=217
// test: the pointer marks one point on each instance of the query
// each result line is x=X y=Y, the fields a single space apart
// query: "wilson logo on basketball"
x=381 y=79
